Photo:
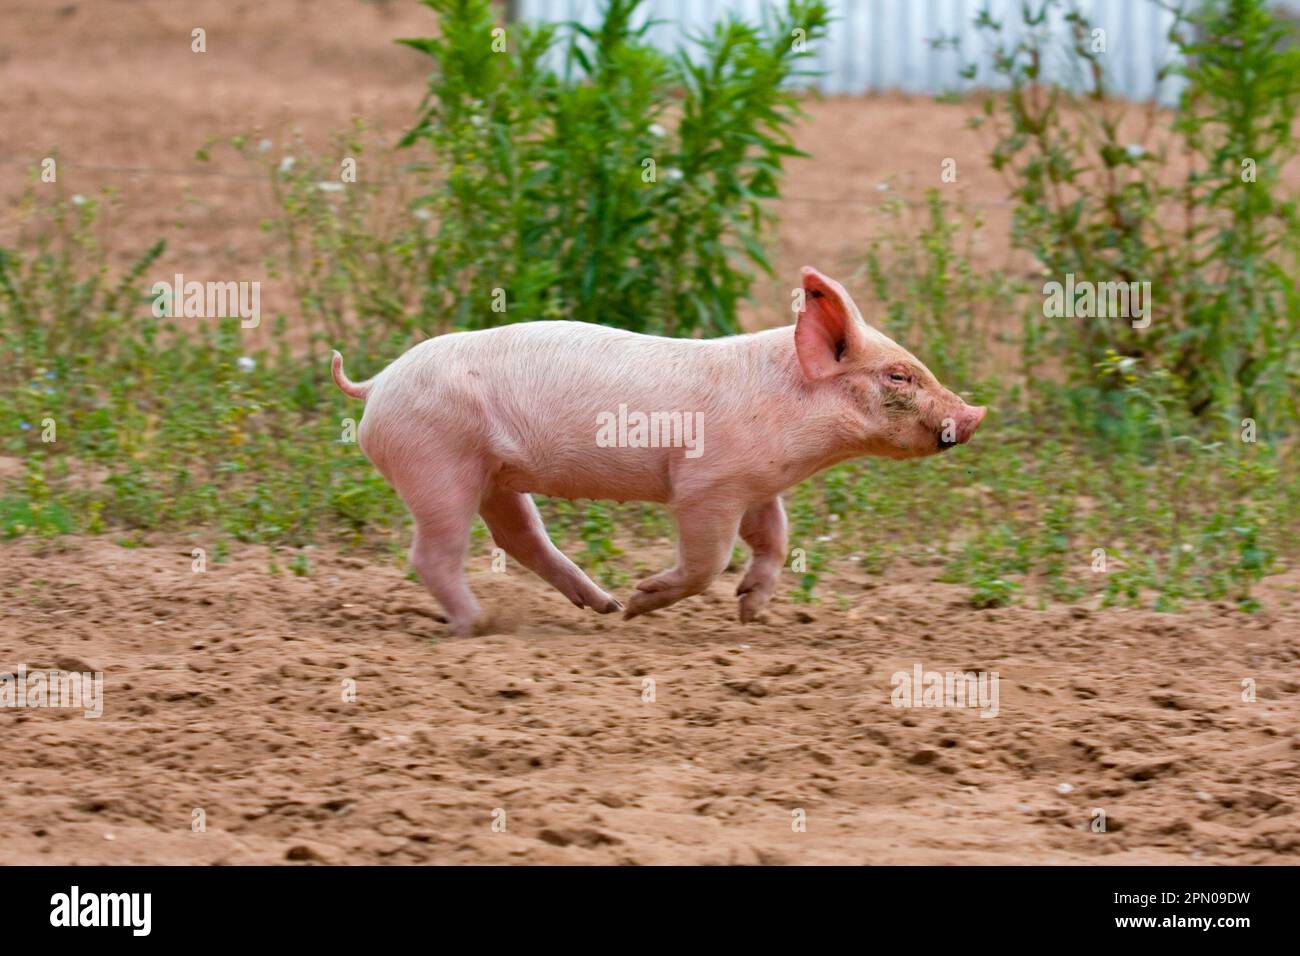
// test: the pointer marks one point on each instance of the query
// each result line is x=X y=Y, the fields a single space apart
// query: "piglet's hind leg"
x=443 y=505
x=517 y=527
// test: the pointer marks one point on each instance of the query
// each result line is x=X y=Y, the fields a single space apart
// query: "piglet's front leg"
x=764 y=529
x=706 y=531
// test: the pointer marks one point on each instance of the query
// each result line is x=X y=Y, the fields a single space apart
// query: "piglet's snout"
x=968 y=419
x=958 y=428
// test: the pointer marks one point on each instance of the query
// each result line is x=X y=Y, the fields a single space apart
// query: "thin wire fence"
x=34 y=164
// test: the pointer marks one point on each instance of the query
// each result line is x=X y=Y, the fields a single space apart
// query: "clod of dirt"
x=1263 y=800
x=1174 y=701
x=585 y=837
x=304 y=854
x=1135 y=766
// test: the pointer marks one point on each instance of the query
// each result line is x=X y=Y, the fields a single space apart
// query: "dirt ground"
x=223 y=692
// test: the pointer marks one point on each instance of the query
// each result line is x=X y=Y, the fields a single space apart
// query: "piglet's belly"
x=612 y=475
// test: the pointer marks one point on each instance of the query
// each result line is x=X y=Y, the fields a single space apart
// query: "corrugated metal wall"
x=884 y=44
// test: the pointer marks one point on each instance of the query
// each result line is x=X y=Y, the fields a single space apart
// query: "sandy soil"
x=223 y=693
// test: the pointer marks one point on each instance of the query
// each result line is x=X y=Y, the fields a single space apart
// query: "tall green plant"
x=1238 y=116
x=627 y=186
x=1218 y=244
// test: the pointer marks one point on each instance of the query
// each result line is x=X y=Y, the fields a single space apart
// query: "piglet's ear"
x=827 y=332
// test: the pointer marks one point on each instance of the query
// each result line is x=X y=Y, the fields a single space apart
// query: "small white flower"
x=245 y=363
x=1127 y=363
x=1187 y=549
x=476 y=120
x=657 y=130
x=263 y=145
x=673 y=174
x=329 y=187
x=78 y=200
x=1135 y=151
x=422 y=213
x=286 y=164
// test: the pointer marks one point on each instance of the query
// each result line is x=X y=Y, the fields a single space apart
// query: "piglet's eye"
x=899 y=377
